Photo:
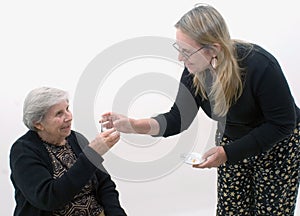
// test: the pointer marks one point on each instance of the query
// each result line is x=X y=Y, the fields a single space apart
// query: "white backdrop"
x=51 y=43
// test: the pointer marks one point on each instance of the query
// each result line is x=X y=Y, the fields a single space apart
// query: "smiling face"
x=56 y=124
x=195 y=57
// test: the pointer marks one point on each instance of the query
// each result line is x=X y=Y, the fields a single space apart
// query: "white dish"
x=193 y=158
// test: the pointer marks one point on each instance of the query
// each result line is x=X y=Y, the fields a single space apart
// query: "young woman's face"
x=196 y=58
x=56 y=125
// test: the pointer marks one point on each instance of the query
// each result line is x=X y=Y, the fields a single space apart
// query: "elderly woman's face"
x=56 y=124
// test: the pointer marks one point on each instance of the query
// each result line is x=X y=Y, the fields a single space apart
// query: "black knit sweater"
x=264 y=114
x=38 y=193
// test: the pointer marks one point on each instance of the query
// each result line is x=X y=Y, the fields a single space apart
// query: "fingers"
x=106 y=125
x=106 y=114
x=109 y=116
x=106 y=117
x=110 y=135
x=105 y=140
x=214 y=158
x=208 y=163
x=209 y=153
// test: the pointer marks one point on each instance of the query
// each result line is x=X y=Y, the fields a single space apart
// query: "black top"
x=38 y=193
x=264 y=114
x=63 y=158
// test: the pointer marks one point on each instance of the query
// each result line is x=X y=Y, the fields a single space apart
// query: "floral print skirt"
x=266 y=184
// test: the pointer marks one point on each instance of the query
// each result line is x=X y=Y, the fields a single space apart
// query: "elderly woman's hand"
x=105 y=140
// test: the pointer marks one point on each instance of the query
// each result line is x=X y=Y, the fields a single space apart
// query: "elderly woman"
x=55 y=170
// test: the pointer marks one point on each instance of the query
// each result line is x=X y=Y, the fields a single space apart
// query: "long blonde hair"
x=206 y=26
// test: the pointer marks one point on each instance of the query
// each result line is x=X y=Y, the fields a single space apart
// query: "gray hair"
x=38 y=102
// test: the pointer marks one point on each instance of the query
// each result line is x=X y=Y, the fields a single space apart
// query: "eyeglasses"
x=185 y=54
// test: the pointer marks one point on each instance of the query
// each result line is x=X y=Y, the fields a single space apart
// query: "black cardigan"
x=265 y=113
x=37 y=193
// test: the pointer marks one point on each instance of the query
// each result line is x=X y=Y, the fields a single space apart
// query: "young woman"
x=242 y=86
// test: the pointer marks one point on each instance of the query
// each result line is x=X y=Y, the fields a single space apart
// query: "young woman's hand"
x=120 y=122
x=128 y=125
x=214 y=157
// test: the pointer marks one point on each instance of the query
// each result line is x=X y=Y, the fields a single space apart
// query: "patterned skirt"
x=266 y=184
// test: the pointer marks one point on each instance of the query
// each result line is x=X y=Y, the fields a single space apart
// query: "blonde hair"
x=206 y=26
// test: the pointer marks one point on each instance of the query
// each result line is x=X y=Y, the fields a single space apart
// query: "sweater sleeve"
x=106 y=191
x=108 y=196
x=274 y=98
x=183 y=111
x=30 y=174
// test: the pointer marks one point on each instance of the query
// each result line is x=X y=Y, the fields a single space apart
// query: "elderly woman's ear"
x=38 y=126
